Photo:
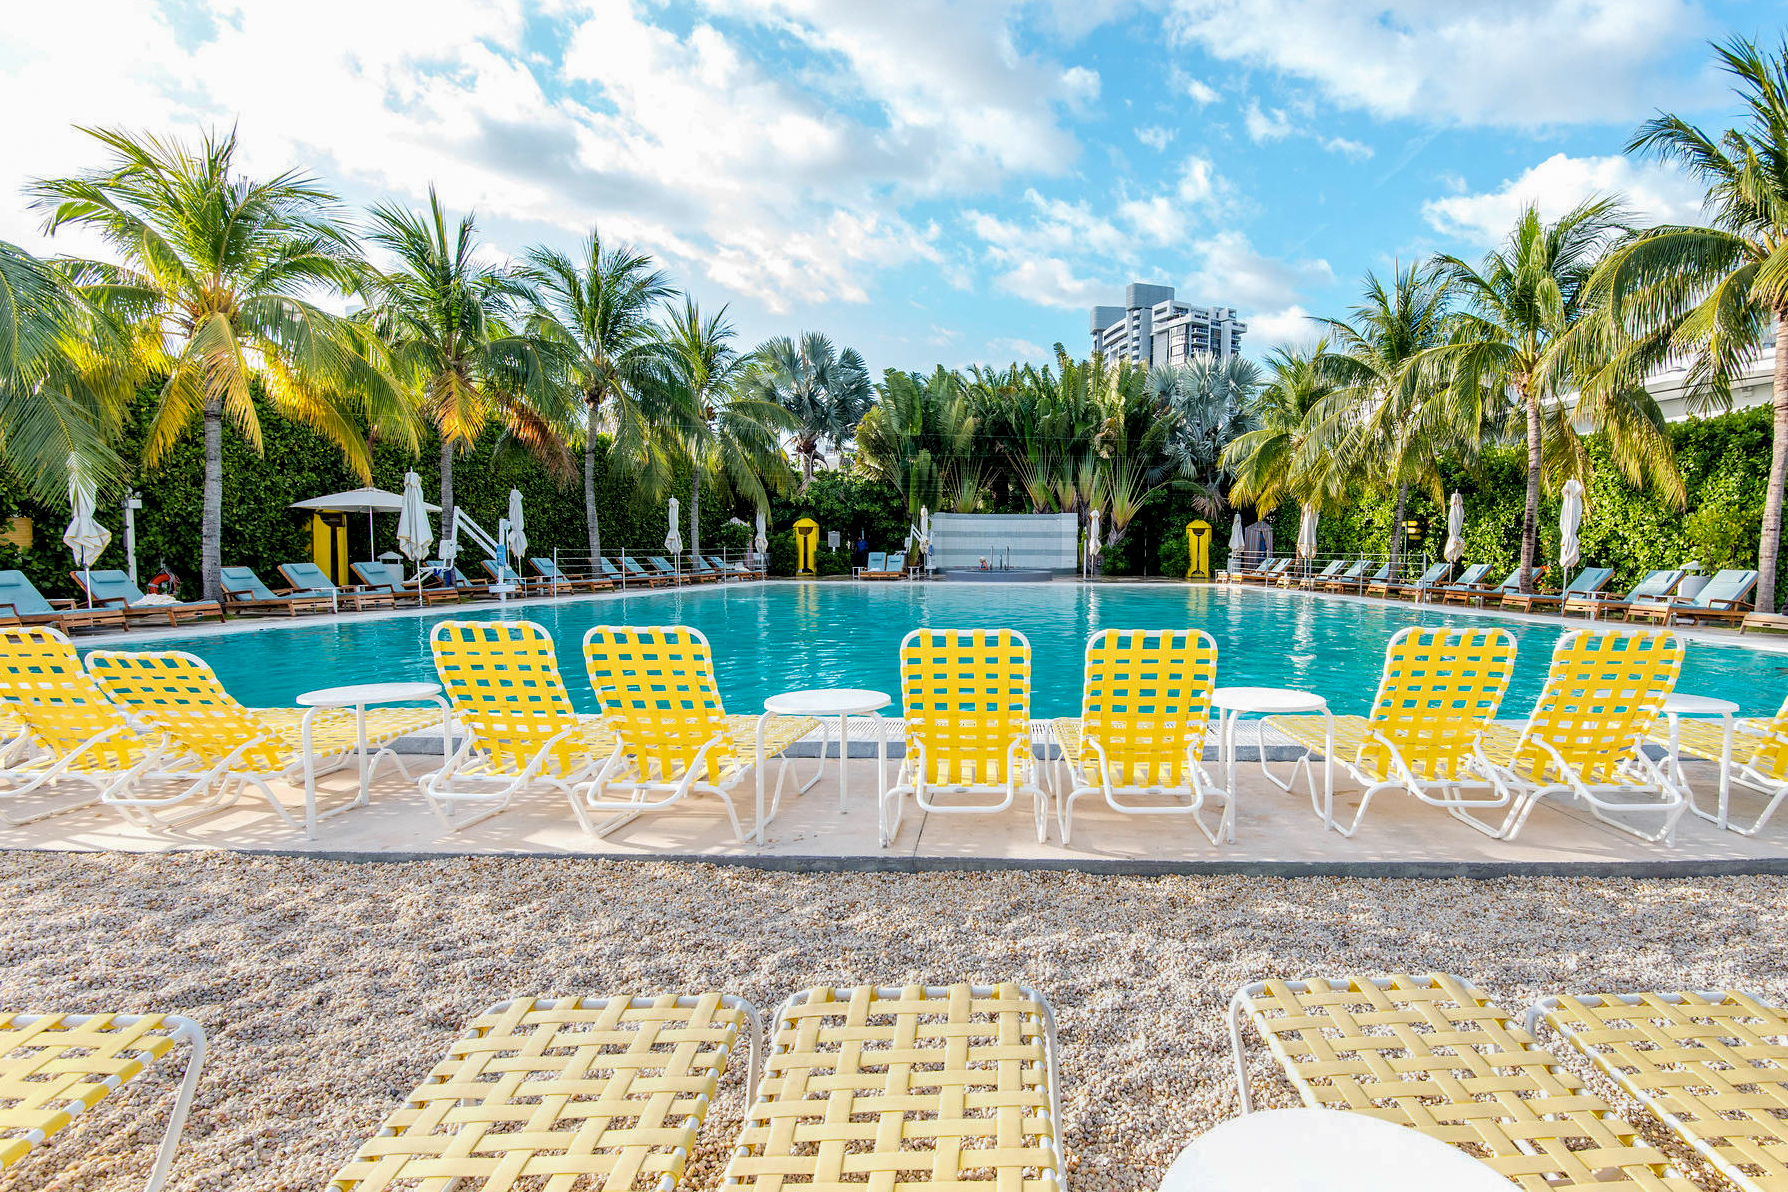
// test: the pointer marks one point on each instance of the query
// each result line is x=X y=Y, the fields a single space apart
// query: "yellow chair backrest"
x=1147 y=697
x=1439 y=689
x=1770 y=757
x=502 y=679
x=656 y=684
x=179 y=694
x=59 y=704
x=967 y=698
x=1603 y=694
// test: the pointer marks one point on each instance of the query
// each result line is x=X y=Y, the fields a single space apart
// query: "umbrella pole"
x=372 y=551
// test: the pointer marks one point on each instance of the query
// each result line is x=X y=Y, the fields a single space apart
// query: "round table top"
x=356 y=694
x=1267 y=699
x=1294 y=1150
x=827 y=701
x=1678 y=704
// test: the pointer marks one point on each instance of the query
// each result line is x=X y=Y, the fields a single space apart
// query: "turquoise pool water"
x=777 y=637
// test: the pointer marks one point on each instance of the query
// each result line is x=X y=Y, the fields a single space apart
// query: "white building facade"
x=1152 y=327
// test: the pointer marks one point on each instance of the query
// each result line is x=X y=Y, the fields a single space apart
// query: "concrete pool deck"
x=1276 y=834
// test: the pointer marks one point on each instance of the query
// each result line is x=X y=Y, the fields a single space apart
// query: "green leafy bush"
x=1175 y=556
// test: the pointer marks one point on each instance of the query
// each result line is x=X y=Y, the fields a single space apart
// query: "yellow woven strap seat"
x=46 y=689
x=1146 y=699
x=502 y=680
x=893 y=1090
x=554 y=1095
x=1431 y=1052
x=657 y=686
x=1713 y=1066
x=180 y=695
x=1758 y=742
x=967 y=695
x=779 y=733
x=55 y=1067
x=1310 y=732
x=333 y=730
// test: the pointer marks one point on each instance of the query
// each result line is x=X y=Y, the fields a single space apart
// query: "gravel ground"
x=329 y=989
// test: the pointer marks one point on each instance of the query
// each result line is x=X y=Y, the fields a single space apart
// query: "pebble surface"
x=328 y=989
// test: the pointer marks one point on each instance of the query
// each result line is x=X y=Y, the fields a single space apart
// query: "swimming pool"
x=778 y=636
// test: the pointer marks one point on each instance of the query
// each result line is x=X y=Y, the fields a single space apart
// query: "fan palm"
x=920 y=437
x=1389 y=423
x=732 y=437
x=1288 y=455
x=827 y=391
x=214 y=272
x=1715 y=293
x=597 y=309
x=1210 y=397
x=66 y=373
x=1528 y=333
x=445 y=315
x=1137 y=447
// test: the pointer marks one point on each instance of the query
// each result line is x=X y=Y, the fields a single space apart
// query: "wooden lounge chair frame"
x=401 y=588
x=356 y=599
x=554 y=1093
x=633 y=569
x=1145 y=709
x=554 y=578
x=1270 y=572
x=1709 y=1064
x=1700 y=608
x=1654 y=588
x=288 y=602
x=957 y=1086
x=1469 y=586
x=1425 y=583
x=173 y=614
x=1440 y=688
x=1525 y=601
x=1356 y=574
x=1431 y=1052
x=56 y=1067
x=63 y=614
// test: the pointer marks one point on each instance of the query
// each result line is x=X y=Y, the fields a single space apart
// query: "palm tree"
x=1714 y=293
x=214 y=271
x=66 y=373
x=1210 y=397
x=1528 y=333
x=828 y=392
x=1289 y=454
x=1137 y=449
x=920 y=437
x=445 y=316
x=1392 y=430
x=732 y=436
x=597 y=311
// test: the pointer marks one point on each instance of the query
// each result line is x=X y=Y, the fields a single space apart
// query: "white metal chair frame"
x=472 y=776
x=912 y=780
x=1743 y=774
x=1604 y=799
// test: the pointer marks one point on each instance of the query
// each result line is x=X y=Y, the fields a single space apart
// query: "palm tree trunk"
x=446 y=485
x=808 y=451
x=695 y=512
x=1530 y=517
x=211 y=517
x=590 y=521
x=1771 y=544
x=1397 y=531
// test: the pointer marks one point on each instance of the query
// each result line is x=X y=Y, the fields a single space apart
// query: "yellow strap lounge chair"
x=56 y=1067
x=502 y=679
x=1144 y=710
x=657 y=688
x=967 y=699
x=952 y=1087
x=219 y=746
x=1759 y=758
x=605 y=1094
x=1711 y=1065
x=1585 y=738
x=1439 y=691
x=1431 y=1052
x=71 y=732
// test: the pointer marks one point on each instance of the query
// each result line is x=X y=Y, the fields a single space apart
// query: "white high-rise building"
x=1153 y=328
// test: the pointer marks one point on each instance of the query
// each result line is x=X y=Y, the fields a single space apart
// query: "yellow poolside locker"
x=329 y=545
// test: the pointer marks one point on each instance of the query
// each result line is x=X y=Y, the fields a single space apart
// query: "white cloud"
x=1155 y=137
x=1265 y=125
x=1290 y=327
x=1050 y=281
x=1200 y=92
x=1655 y=194
x=1231 y=272
x=1159 y=220
x=1006 y=348
x=1518 y=63
x=1354 y=150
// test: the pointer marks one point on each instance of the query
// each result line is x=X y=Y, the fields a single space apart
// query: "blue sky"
x=931 y=181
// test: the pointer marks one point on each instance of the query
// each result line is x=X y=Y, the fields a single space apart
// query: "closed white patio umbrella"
x=414 y=536
x=1092 y=539
x=517 y=542
x=924 y=539
x=1570 y=517
x=1455 y=547
x=762 y=541
x=673 y=537
x=1307 y=533
x=1238 y=542
x=85 y=538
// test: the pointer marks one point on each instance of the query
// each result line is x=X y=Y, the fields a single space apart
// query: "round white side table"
x=1336 y=1150
x=360 y=696
x=1678 y=705
x=1234 y=702
x=828 y=704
